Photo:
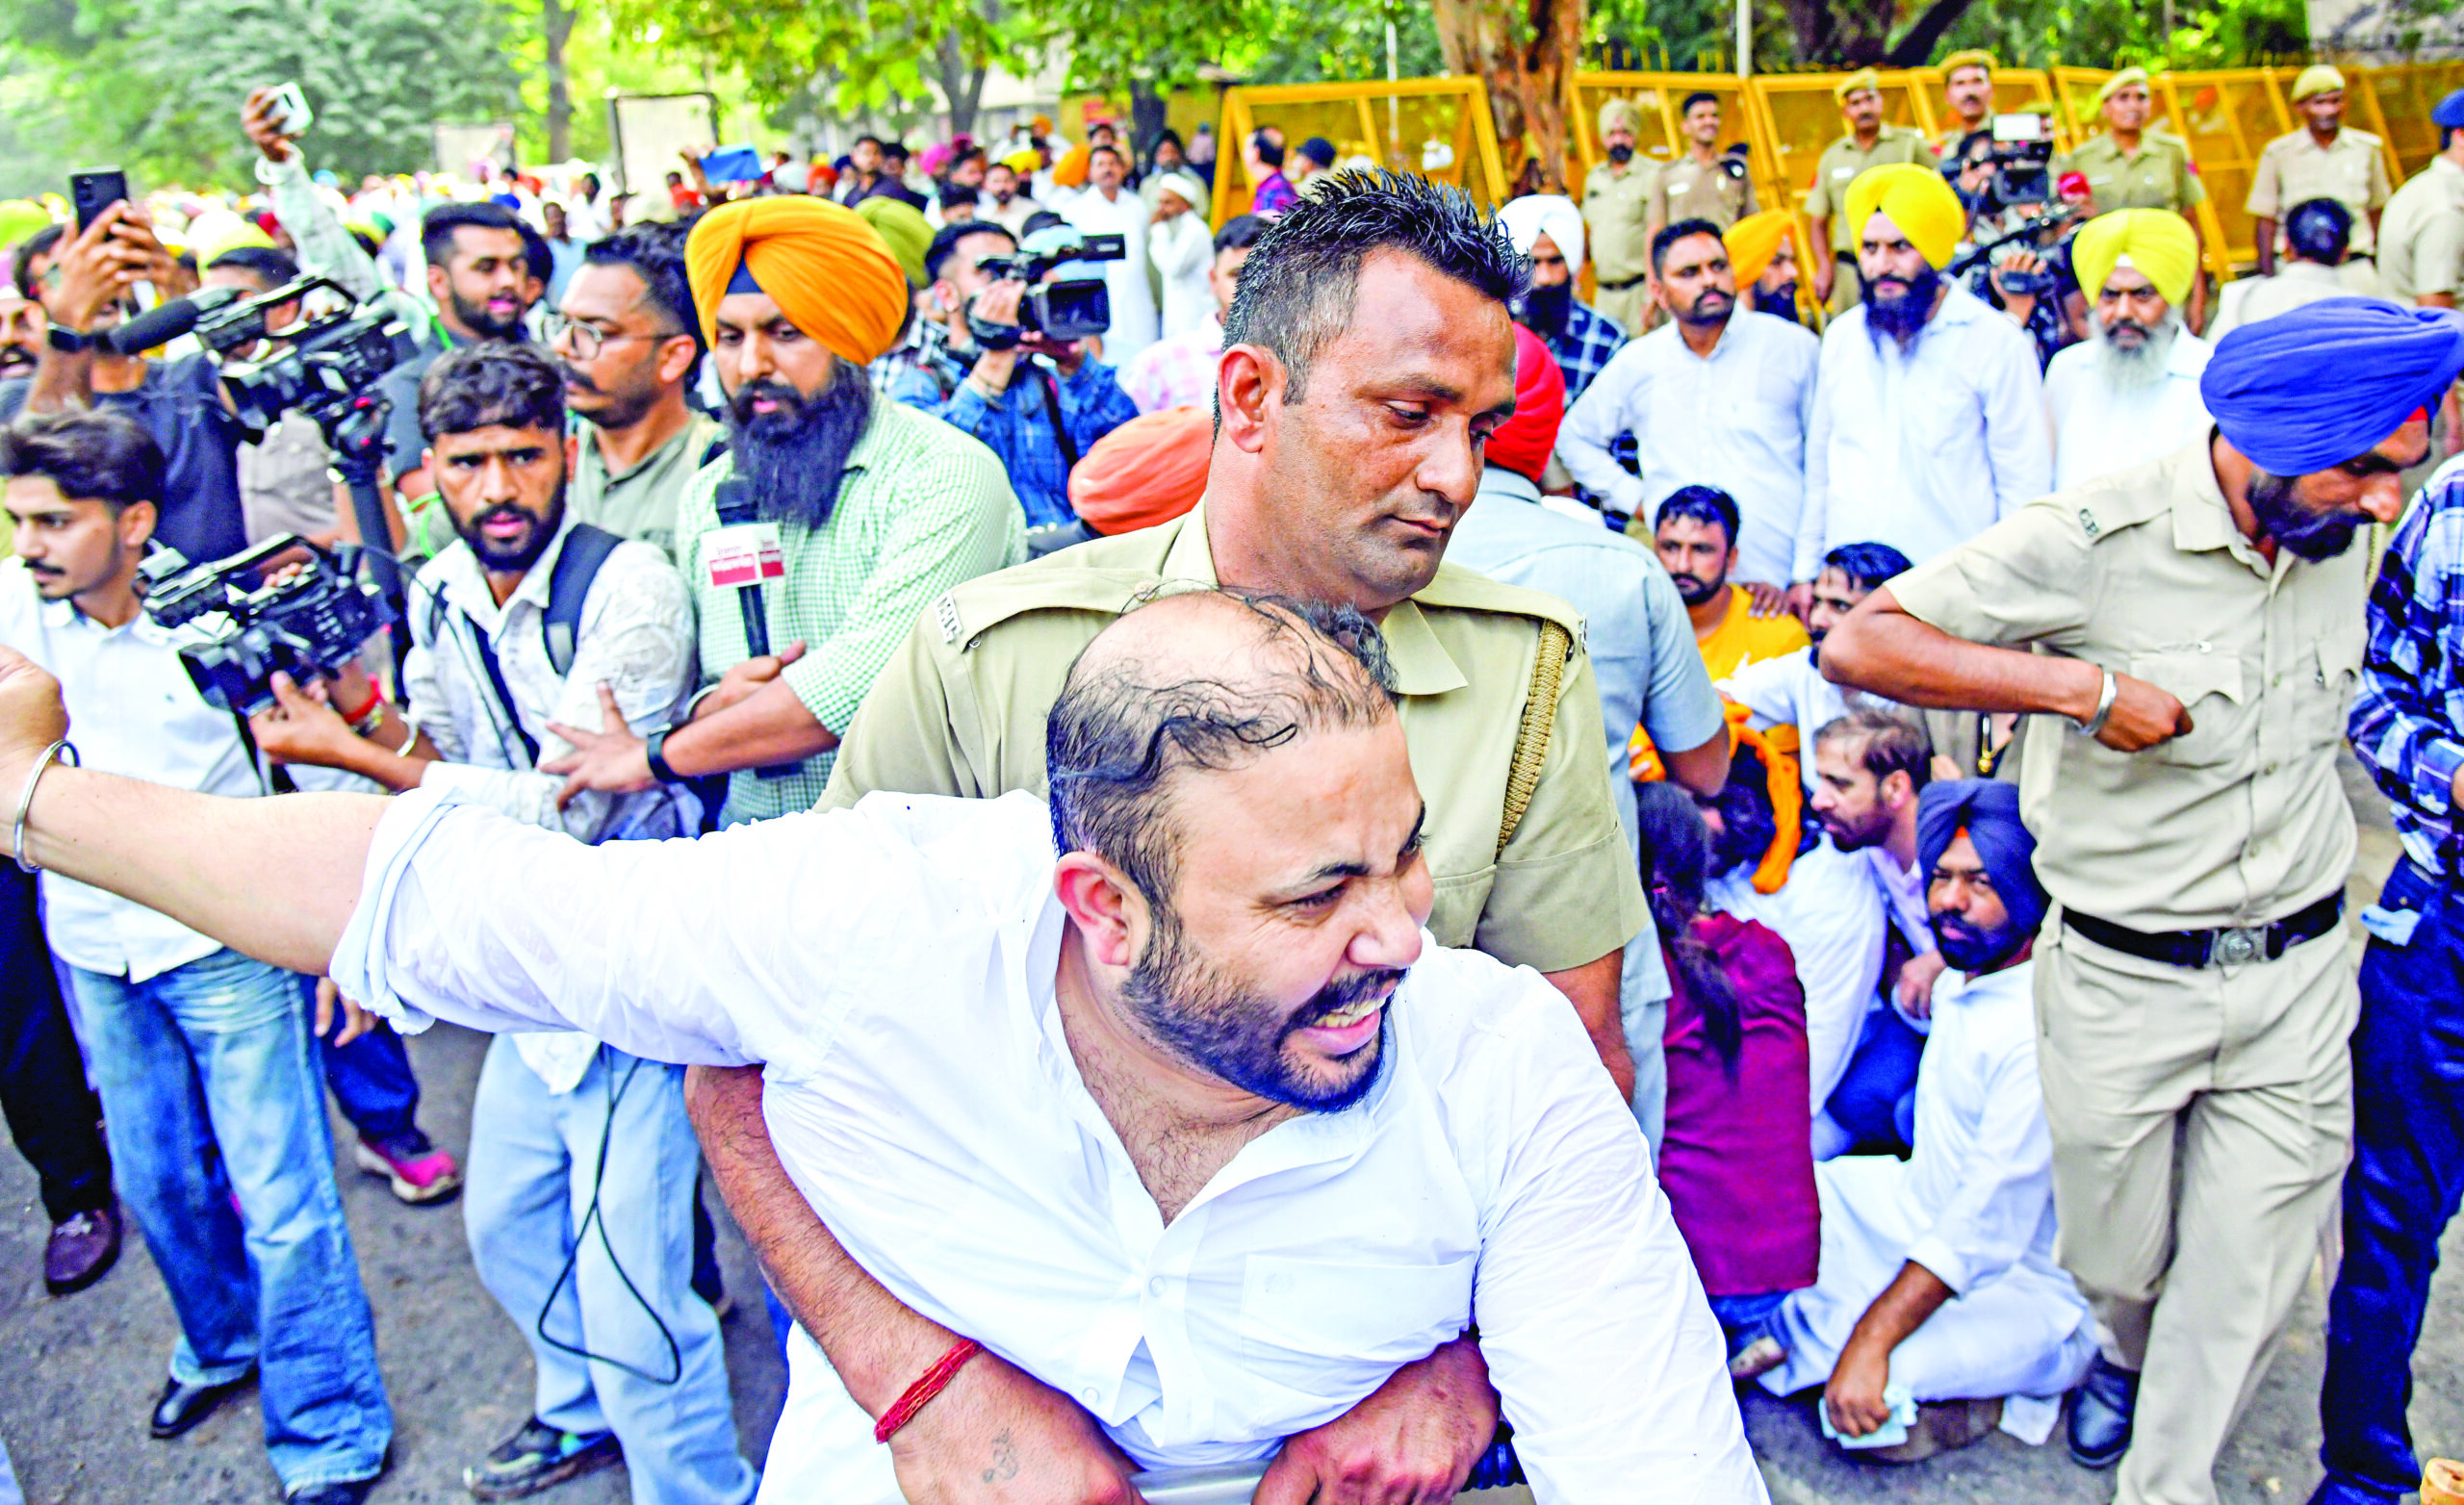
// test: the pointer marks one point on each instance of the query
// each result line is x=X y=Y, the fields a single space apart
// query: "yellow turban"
x=1972 y=57
x=2155 y=241
x=2119 y=82
x=215 y=231
x=824 y=268
x=1023 y=162
x=902 y=228
x=1620 y=111
x=1071 y=171
x=21 y=218
x=2317 y=79
x=1916 y=200
x=1753 y=242
x=1861 y=79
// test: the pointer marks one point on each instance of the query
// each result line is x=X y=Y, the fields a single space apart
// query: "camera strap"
x=586 y=549
x=1060 y=426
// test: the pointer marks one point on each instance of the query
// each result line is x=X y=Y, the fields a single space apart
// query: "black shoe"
x=181 y=1406
x=81 y=1249
x=2100 y=1413
x=537 y=1457
x=347 y=1492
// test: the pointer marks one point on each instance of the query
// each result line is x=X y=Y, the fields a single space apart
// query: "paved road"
x=80 y=1371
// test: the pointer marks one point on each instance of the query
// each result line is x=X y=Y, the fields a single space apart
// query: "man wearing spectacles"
x=628 y=342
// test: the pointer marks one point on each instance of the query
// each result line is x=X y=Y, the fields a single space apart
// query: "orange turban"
x=827 y=270
x=1753 y=242
x=1150 y=470
x=1071 y=171
x=1779 y=780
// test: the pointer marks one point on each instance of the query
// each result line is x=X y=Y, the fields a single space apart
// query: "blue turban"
x=1989 y=810
x=2310 y=388
x=2449 y=112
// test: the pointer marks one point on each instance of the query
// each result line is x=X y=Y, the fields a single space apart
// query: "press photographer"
x=532 y=616
x=211 y=1101
x=1012 y=369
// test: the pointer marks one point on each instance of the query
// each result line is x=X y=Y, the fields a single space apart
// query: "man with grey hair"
x=2129 y=393
x=1230 y=1139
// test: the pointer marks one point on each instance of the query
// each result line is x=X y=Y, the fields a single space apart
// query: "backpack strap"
x=587 y=549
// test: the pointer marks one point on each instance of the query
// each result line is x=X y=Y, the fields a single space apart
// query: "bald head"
x=1209 y=680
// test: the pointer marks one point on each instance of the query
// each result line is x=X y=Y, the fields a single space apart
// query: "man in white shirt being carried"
x=1230 y=1141
x=1939 y=1282
x=533 y=617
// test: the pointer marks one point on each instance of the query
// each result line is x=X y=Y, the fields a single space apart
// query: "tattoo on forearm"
x=1005 y=1458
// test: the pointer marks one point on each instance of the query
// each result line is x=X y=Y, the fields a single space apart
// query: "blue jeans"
x=657 y=1373
x=1742 y=1319
x=212 y=1092
x=373 y=1082
x=1875 y=1102
x=2407 y=1174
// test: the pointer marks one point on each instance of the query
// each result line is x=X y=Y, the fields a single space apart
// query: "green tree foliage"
x=157 y=86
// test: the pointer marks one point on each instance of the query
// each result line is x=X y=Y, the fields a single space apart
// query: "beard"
x=1543 y=310
x=1620 y=154
x=1972 y=948
x=1856 y=835
x=506 y=559
x=616 y=410
x=19 y=360
x=1694 y=590
x=1711 y=307
x=2141 y=364
x=477 y=319
x=1221 y=1026
x=1902 y=316
x=1780 y=302
x=795 y=457
x=2297 y=528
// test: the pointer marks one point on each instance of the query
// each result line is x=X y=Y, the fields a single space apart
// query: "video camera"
x=1073 y=308
x=319 y=367
x=2022 y=159
x=306 y=623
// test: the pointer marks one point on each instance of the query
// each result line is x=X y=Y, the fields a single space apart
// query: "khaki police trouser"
x=2201 y=1120
x=1628 y=306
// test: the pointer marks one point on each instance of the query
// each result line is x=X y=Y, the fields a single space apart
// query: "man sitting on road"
x=1230 y=1139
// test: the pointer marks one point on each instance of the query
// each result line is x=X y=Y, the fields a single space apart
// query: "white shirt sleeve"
x=2006 y=1187
x=1598 y=415
x=708 y=952
x=2017 y=443
x=1762 y=687
x=1600 y=1343
x=1816 y=514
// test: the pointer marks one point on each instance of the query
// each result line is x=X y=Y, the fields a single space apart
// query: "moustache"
x=791 y=403
x=574 y=378
x=1347 y=993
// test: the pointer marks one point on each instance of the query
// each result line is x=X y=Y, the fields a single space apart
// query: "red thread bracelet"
x=375 y=697
x=920 y=1394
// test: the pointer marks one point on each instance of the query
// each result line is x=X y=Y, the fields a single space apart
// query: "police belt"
x=1620 y=287
x=2228 y=946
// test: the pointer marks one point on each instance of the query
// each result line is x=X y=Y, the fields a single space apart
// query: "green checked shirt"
x=923 y=508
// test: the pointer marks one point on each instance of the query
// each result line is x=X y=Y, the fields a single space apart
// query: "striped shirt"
x=2407 y=723
x=922 y=508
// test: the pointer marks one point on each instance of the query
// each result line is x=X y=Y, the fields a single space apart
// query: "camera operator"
x=84 y=281
x=284 y=484
x=559 y=1122
x=1038 y=403
x=212 y=1104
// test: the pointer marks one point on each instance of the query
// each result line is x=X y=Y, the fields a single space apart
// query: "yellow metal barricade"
x=1660 y=98
x=1437 y=127
x=2015 y=91
x=2074 y=94
x=2226 y=117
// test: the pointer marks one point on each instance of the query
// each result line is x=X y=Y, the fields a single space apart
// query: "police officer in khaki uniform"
x=2128 y=165
x=2421 y=238
x=2326 y=158
x=1616 y=209
x=1338 y=470
x=1968 y=90
x=1703 y=182
x=2197 y=632
x=1869 y=143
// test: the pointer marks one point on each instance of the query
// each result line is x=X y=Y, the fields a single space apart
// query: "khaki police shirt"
x=2295 y=168
x=1841 y=162
x=2158 y=175
x=2421 y=240
x=1615 y=207
x=1687 y=190
x=961 y=711
x=2243 y=820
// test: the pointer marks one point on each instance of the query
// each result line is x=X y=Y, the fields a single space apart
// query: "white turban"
x=1528 y=219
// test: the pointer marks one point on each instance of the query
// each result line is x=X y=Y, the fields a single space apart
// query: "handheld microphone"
x=167 y=323
x=742 y=554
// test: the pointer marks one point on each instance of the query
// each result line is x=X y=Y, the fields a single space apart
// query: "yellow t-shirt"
x=1742 y=638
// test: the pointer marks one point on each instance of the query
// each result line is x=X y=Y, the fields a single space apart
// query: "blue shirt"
x=1017 y=426
x=1642 y=643
x=2407 y=723
x=1583 y=347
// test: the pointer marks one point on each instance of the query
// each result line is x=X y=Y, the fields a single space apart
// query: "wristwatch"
x=654 y=751
x=69 y=342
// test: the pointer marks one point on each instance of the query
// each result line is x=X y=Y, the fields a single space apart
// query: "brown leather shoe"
x=81 y=1249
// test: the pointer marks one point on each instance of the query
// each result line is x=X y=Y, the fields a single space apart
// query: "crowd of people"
x=1245 y=683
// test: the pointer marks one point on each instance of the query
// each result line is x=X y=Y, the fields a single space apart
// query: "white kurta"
x=1974 y=1205
x=1134 y=322
x=1831 y=913
x=1184 y=251
x=2099 y=427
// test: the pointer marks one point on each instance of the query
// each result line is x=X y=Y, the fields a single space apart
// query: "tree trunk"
x=1856 y=33
x=557 y=18
x=1523 y=50
x=1915 y=49
x=961 y=86
x=1147 y=115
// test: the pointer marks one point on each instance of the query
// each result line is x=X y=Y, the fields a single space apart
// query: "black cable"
x=599 y=1175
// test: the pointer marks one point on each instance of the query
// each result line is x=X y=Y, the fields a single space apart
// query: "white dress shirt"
x=894 y=963
x=1789 y=691
x=635 y=636
x=133 y=710
x=1134 y=320
x=2100 y=427
x=1924 y=449
x=1183 y=248
x=1736 y=419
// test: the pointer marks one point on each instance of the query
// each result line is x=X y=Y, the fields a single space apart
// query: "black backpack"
x=587 y=549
